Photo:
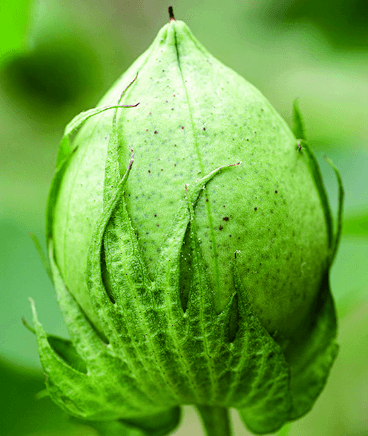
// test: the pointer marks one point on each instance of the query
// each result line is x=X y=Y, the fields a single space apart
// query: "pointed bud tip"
x=171 y=14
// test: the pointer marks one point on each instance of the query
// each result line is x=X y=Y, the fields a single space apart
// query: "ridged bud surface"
x=195 y=115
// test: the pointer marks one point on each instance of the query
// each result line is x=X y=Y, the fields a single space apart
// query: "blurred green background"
x=58 y=57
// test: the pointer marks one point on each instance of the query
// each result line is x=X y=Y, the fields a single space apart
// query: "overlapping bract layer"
x=155 y=355
x=195 y=115
x=166 y=317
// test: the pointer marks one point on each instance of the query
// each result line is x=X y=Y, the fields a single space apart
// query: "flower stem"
x=216 y=420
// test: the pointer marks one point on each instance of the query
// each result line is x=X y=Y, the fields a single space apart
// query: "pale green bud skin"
x=195 y=115
x=202 y=259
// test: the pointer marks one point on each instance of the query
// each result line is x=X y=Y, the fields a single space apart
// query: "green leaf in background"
x=48 y=61
x=57 y=71
x=334 y=17
x=14 y=23
x=23 y=415
x=356 y=224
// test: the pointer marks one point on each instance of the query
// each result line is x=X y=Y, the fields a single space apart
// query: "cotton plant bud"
x=190 y=241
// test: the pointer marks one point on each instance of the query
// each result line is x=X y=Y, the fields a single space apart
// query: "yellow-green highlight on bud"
x=198 y=275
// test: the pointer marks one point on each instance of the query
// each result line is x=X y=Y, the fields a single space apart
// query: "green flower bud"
x=198 y=274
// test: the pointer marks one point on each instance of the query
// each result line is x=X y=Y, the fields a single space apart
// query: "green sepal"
x=66 y=151
x=159 y=356
x=64 y=348
x=299 y=133
x=269 y=401
x=339 y=211
x=298 y=123
x=78 y=120
x=178 y=357
x=311 y=354
x=41 y=254
x=316 y=172
x=187 y=354
x=159 y=424
x=59 y=359
x=127 y=398
x=60 y=377
x=154 y=425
